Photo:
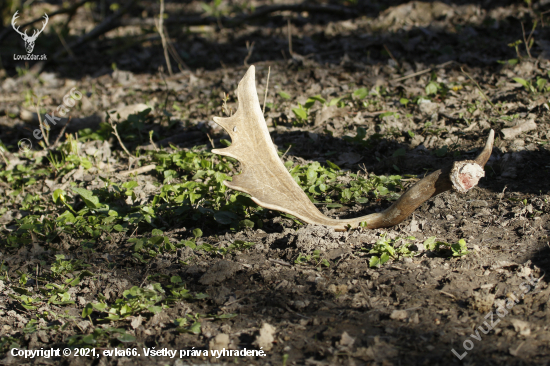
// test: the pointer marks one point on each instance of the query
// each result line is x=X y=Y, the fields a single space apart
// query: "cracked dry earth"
x=414 y=311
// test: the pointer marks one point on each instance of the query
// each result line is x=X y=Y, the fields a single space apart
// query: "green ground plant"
x=458 y=249
x=386 y=249
x=189 y=191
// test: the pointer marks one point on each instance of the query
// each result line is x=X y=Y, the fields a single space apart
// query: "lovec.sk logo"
x=29 y=40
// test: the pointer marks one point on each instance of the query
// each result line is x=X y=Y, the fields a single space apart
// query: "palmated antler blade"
x=263 y=176
x=269 y=183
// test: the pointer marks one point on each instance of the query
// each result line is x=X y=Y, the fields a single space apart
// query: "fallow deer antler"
x=270 y=185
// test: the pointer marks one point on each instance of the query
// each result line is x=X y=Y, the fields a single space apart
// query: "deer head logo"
x=29 y=41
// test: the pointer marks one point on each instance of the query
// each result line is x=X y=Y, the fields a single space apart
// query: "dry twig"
x=152 y=142
x=62 y=39
x=3 y=157
x=480 y=90
x=46 y=137
x=160 y=28
x=266 y=88
x=181 y=64
x=422 y=72
x=143 y=169
x=528 y=41
x=61 y=133
x=250 y=48
x=115 y=132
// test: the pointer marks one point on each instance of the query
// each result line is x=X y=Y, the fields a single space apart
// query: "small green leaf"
x=541 y=83
x=89 y=339
x=155 y=309
x=100 y=306
x=523 y=82
x=197 y=233
x=87 y=311
x=126 y=338
x=332 y=165
x=334 y=101
x=300 y=112
x=190 y=244
x=431 y=88
x=88 y=197
x=247 y=223
x=374 y=262
x=384 y=258
x=283 y=95
x=195 y=328
x=318 y=98
x=360 y=93
x=430 y=243
x=175 y=279
x=59 y=196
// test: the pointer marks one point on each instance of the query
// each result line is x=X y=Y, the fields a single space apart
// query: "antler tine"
x=37 y=32
x=46 y=18
x=270 y=184
x=13 y=23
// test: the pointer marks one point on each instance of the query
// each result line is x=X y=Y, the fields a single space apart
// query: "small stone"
x=219 y=342
x=414 y=226
x=482 y=302
x=478 y=203
x=399 y=314
x=136 y=321
x=526 y=126
x=337 y=289
x=346 y=340
x=427 y=107
x=266 y=337
x=518 y=142
x=521 y=327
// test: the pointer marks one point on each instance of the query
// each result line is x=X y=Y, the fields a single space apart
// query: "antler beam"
x=270 y=185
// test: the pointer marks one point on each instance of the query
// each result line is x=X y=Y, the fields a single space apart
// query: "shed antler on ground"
x=265 y=178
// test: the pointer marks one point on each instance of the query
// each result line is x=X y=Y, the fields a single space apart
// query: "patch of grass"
x=386 y=249
x=193 y=192
x=313 y=259
x=190 y=192
x=458 y=249
x=62 y=267
x=101 y=337
x=319 y=181
x=302 y=111
x=535 y=86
